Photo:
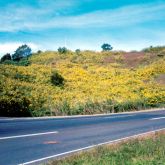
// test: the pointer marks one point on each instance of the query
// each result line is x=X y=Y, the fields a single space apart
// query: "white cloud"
x=128 y=15
x=11 y=47
x=17 y=16
x=29 y=18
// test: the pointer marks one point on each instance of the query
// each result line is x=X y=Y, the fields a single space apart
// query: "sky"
x=81 y=24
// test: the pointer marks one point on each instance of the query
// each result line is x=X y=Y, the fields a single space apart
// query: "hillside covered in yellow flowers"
x=95 y=82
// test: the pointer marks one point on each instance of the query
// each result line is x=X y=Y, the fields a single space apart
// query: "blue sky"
x=84 y=24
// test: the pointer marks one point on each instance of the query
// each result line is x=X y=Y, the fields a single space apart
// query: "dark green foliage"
x=62 y=50
x=21 y=52
x=57 y=79
x=24 y=62
x=65 y=108
x=41 y=112
x=106 y=47
x=5 y=57
x=14 y=109
x=21 y=62
x=20 y=57
x=39 y=51
x=77 y=51
x=23 y=77
x=108 y=106
x=10 y=62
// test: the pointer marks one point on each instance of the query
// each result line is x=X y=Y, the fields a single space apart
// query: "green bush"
x=5 y=57
x=62 y=50
x=9 y=62
x=57 y=79
x=22 y=62
x=77 y=51
x=15 y=109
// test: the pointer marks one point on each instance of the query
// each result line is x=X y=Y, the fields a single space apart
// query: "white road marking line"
x=158 y=118
x=112 y=117
x=27 y=135
x=89 y=147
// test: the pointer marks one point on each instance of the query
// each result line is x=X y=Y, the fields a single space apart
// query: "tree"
x=77 y=51
x=39 y=51
x=21 y=52
x=62 y=50
x=106 y=47
x=6 y=57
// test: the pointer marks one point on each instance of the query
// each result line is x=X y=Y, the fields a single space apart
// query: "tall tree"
x=21 y=52
x=106 y=47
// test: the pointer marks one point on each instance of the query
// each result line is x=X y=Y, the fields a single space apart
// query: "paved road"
x=29 y=141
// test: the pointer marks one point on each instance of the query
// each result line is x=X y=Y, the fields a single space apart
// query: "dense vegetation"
x=82 y=82
x=149 y=151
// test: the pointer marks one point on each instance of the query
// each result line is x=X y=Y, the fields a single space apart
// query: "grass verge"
x=144 y=150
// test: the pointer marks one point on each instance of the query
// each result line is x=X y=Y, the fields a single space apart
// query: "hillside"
x=95 y=82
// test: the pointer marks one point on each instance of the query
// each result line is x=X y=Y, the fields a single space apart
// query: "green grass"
x=149 y=151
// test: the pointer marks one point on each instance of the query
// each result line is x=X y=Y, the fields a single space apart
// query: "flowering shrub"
x=90 y=86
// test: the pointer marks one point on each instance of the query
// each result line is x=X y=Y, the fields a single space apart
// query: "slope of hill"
x=95 y=82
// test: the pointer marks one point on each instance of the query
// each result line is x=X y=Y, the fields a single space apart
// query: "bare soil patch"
x=161 y=79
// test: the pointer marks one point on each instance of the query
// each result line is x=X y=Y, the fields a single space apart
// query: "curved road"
x=33 y=141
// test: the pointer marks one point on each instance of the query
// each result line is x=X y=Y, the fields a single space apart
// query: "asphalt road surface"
x=34 y=141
